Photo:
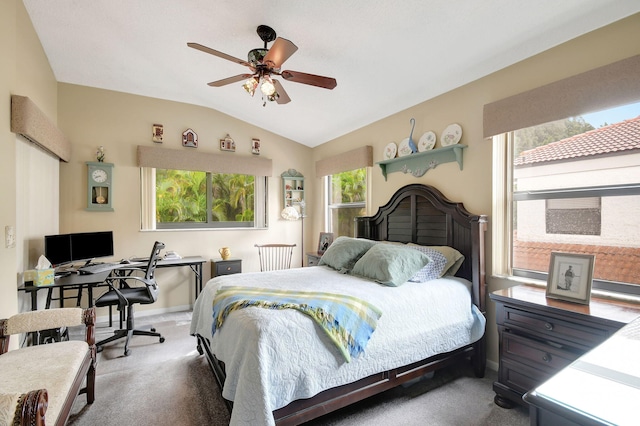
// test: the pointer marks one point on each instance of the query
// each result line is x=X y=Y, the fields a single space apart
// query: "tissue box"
x=44 y=277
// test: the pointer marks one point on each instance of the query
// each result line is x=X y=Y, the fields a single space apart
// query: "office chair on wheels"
x=275 y=256
x=124 y=295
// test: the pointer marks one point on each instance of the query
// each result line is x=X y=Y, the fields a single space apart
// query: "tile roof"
x=618 y=137
x=612 y=263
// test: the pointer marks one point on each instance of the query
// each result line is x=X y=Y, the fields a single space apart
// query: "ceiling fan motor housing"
x=256 y=56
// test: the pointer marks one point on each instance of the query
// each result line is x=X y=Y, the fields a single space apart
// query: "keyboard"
x=96 y=268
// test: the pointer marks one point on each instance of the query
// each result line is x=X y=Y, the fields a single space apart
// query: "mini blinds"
x=195 y=160
x=350 y=160
x=605 y=87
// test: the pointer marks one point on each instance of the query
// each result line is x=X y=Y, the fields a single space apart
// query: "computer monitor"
x=85 y=246
x=57 y=249
x=91 y=245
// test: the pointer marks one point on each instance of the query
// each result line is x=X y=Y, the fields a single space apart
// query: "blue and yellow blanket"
x=348 y=321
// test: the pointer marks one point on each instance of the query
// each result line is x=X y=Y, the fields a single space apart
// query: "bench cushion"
x=53 y=367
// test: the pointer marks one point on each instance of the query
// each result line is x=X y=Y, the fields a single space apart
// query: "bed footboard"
x=330 y=400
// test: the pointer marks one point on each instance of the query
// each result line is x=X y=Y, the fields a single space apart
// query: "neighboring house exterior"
x=608 y=225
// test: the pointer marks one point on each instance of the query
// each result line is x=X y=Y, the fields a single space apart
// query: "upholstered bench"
x=42 y=381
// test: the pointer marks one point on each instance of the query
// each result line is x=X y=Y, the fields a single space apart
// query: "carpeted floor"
x=171 y=384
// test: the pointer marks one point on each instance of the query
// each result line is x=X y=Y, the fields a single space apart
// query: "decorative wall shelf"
x=419 y=163
x=293 y=189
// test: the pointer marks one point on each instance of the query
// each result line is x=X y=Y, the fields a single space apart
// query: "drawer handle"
x=228 y=268
x=546 y=358
x=548 y=326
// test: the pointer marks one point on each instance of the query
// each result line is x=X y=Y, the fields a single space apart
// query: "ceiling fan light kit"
x=264 y=63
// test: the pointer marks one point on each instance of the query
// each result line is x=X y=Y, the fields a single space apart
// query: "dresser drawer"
x=226 y=267
x=556 y=329
x=521 y=377
x=540 y=355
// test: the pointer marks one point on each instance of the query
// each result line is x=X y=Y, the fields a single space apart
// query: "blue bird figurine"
x=412 y=144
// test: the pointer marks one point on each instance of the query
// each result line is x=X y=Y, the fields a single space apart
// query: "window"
x=573 y=186
x=346 y=200
x=192 y=199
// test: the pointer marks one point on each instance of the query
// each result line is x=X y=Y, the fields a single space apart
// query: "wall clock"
x=99 y=186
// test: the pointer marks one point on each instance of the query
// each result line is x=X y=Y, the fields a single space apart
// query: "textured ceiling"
x=386 y=55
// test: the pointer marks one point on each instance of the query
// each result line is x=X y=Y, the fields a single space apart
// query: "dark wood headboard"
x=420 y=214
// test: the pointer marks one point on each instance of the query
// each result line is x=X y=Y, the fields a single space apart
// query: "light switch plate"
x=9 y=236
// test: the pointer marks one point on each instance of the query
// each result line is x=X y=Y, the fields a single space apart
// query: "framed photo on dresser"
x=570 y=277
x=325 y=240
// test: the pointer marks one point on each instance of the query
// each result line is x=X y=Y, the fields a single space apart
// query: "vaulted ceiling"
x=385 y=55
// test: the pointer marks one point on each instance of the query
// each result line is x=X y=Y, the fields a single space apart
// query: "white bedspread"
x=273 y=357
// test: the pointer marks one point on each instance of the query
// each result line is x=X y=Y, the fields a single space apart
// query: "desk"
x=90 y=281
x=74 y=280
x=602 y=387
x=193 y=262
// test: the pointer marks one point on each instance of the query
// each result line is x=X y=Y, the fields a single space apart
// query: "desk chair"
x=275 y=256
x=123 y=294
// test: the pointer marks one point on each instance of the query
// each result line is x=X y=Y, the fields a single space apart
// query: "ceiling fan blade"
x=219 y=54
x=280 y=51
x=230 y=80
x=311 y=79
x=283 y=98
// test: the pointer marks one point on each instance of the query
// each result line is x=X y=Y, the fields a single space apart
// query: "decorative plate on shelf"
x=451 y=135
x=390 y=151
x=404 y=148
x=427 y=142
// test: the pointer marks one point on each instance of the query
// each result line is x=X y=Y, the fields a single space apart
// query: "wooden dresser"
x=538 y=336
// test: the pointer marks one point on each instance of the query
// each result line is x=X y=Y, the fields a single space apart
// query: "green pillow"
x=390 y=265
x=344 y=252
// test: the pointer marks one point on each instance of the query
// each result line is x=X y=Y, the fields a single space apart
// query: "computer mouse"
x=125 y=261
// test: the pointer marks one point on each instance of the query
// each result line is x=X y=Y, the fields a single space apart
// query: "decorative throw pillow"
x=434 y=269
x=390 y=265
x=345 y=252
x=453 y=256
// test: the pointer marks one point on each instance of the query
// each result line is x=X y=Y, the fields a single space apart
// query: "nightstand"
x=313 y=259
x=538 y=336
x=225 y=267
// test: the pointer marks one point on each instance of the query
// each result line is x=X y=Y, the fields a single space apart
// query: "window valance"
x=29 y=121
x=350 y=160
x=595 y=90
x=195 y=160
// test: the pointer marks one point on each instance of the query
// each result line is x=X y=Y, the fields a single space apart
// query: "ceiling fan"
x=264 y=63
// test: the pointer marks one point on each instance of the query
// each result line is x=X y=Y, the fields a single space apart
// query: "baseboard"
x=147 y=312
x=492 y=365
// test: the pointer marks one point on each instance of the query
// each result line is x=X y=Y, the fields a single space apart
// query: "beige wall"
x=24 y=70
x=473 y=185
x=120 y=122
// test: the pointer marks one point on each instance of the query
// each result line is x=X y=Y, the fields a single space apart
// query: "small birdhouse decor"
x=190 y=139
x=227 y=144
x=157 y=132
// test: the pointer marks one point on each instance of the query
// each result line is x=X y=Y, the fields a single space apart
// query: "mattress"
x=273 y=357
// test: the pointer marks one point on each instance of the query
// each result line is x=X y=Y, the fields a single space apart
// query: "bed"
x=276 y=367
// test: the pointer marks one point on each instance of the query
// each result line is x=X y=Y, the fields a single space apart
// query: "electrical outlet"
x=9 y=236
